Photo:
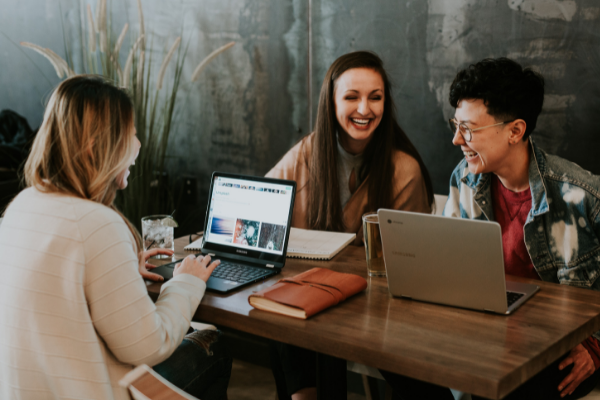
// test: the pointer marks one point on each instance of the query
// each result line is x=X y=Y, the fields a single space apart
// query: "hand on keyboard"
x=197 y=266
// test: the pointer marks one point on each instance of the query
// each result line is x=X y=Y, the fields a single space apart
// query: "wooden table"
x=475 y=352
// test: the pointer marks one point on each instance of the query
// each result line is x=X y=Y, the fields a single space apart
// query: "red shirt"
x=511 y=210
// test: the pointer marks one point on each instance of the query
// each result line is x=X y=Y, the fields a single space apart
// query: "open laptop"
x=452 y=261
x=247 y=227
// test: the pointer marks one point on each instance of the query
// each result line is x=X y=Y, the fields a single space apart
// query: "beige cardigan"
x=410 y=193
x=75 y=315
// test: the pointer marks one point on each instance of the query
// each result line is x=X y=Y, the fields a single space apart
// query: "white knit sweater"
x=75 y=315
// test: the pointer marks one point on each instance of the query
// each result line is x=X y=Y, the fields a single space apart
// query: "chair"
x=365 y=372
x=145 y=384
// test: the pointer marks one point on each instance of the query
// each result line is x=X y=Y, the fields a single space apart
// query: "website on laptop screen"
x=249 y=214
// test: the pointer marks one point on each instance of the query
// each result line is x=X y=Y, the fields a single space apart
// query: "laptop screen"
x=249 y=216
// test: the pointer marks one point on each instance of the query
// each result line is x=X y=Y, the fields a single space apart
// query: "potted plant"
x=154 y=100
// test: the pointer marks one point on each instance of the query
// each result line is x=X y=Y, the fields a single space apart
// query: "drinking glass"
x=373 y=248
x=158 y=232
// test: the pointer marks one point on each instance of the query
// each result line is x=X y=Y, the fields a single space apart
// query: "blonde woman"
x=75 y=315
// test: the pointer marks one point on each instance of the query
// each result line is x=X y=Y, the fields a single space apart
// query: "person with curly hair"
x=548 y=209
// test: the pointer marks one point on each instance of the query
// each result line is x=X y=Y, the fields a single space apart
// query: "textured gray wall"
x=255 y=101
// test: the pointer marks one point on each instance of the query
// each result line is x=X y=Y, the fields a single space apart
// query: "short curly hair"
x=508 y=90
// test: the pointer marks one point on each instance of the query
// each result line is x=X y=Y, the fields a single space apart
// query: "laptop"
x=247 y=227
x=451 y=261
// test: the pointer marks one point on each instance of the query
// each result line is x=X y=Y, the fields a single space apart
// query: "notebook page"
x=309 y=242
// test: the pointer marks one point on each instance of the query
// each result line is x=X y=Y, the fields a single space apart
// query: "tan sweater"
x=75 y=315
x=409 y=191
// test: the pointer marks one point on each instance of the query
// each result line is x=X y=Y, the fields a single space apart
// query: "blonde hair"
x=84 y=142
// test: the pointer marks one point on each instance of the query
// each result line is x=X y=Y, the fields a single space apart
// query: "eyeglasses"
x=465 y=131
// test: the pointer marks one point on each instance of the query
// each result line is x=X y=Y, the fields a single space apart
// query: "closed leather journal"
x=309 y=293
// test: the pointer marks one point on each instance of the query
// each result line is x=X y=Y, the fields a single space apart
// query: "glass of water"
x=158 y=232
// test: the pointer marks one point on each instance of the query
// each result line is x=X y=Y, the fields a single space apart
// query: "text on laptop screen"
x=248 y=214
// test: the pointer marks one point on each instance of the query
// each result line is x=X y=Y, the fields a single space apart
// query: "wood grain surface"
x=475 y=352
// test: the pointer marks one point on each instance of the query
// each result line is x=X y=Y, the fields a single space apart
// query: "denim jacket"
x=562 y=229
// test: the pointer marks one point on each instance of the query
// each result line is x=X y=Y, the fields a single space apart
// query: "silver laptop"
x=452 y=261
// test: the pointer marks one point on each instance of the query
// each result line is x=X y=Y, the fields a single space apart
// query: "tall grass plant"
x=154 y=97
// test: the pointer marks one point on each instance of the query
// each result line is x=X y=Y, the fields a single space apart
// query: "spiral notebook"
x=305 y=243
x=317 y=245
x=196 y=244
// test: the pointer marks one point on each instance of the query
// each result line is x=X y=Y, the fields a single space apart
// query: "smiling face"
x=489 y=148
x=122 y=177
x=359 y=103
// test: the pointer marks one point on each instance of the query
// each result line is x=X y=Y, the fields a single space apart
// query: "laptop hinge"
x=270 y=266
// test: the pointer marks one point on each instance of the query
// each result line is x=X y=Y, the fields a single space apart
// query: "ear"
x=517 y=130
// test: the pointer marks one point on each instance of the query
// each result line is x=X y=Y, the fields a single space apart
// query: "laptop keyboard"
x=512 y=297
x=238 y=273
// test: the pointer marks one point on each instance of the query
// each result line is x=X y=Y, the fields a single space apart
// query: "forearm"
x=133 y=328
x=157 y=334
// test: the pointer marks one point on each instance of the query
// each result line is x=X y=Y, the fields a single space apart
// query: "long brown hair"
x=324 y=204
x=84 y=142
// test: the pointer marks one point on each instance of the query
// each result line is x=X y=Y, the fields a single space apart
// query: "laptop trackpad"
x=221 y=285
x=166 y=271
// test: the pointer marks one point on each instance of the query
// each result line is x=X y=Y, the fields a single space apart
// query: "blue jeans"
x=200 y=366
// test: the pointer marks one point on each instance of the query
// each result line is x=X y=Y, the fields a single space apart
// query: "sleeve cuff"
x=186 y=279
x=593 y=348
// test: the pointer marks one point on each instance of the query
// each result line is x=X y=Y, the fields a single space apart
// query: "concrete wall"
x=255 y=101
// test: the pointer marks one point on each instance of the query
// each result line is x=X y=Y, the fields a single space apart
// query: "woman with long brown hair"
x=75 y=315
x=357 y=160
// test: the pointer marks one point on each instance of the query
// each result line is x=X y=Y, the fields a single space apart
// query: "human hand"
x=197 y=266
x=583 y=368
x=144 y=265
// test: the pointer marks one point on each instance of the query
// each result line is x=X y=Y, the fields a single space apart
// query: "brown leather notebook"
x=306 y=294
